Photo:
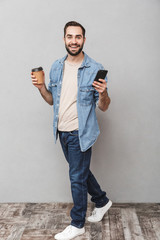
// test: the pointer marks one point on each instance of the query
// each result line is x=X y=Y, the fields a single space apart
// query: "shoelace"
x=94 y=212
x=68 y=229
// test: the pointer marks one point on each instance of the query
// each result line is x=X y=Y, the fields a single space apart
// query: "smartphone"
x=101 y=74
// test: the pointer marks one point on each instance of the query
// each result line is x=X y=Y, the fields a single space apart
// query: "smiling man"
x=74 y=95
x=74 y=47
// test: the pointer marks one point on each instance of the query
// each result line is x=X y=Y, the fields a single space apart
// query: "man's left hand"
x=100 y=86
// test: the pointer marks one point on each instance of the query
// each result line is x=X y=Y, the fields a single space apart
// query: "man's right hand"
x=43 y=90
x=35 y=81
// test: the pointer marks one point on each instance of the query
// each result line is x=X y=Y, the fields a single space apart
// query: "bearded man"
x=74 y=95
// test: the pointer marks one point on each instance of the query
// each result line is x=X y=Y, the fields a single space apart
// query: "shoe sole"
x=108 y=207
x=70 y=238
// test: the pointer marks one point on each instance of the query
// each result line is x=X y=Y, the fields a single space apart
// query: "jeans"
x=81 y=178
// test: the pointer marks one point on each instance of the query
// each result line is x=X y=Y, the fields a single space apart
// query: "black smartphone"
x=101 y=74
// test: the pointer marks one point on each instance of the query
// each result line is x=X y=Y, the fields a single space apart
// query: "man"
x=74 y=95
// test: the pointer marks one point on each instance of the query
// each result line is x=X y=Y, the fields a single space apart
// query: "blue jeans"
x=81 y=178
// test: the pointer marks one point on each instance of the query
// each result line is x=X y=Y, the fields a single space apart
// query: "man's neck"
x=75 y=59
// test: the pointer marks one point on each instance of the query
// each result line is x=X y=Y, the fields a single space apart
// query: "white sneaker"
x=98 y=213
x=69 y=232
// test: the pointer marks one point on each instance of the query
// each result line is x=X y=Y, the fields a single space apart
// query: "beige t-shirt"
x=68 y=116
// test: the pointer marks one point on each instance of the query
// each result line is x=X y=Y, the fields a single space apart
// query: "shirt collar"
x=85 y=62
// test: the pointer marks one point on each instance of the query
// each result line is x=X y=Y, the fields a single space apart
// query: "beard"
x=74 y=53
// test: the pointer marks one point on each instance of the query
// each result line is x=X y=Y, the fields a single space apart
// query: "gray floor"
x=37 y=221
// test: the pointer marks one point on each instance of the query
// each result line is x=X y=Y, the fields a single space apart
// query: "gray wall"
x=124 y=36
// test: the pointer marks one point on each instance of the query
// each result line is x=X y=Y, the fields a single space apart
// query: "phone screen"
x=101 y=74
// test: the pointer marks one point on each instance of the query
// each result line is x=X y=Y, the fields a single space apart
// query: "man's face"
x=74 y=40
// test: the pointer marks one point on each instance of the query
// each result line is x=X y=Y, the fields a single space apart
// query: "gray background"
x=124 y=36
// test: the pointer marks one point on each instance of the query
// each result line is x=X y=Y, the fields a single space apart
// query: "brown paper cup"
x=38 y=73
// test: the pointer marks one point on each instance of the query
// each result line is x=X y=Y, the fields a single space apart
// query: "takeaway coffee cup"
x=38 y=73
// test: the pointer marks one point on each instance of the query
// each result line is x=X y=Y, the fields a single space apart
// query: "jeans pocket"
x=74 y=133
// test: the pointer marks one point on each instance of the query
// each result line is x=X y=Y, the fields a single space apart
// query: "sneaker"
x=69 y=232
x=98 y=213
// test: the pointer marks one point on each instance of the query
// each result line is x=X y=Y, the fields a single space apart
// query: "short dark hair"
x=75 y=24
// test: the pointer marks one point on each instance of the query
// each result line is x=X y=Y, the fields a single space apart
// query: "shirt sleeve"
x=49 y=87
x=50 y=77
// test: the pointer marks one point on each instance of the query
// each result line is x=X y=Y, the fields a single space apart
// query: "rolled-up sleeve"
x=50 y=87
x=50 y=77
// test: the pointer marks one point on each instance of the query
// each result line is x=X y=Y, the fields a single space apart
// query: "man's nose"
x=74 y=40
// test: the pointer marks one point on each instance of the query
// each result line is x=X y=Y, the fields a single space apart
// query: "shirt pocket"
x=86 y=95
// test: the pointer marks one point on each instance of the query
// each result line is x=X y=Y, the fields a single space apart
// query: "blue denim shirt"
x=87 y=99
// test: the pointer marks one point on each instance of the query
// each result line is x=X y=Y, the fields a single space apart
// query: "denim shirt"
x=87 y=99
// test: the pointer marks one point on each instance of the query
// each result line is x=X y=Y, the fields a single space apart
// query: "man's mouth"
x=73 y=47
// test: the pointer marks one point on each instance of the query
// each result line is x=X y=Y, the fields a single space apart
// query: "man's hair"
x=75 y=24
